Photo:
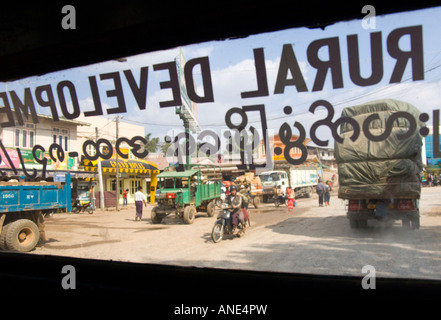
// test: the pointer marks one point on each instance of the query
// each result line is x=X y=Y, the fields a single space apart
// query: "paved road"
x=311 y=239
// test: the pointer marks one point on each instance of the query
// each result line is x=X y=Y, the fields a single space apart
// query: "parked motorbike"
x=224 y=224
x=280 y=200
x=77 y=207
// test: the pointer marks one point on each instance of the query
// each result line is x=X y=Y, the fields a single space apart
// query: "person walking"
x=245 y=193
x=139 y=200
x=320 y=189
x=327 y=195
x=291 y=197
x=125 y=193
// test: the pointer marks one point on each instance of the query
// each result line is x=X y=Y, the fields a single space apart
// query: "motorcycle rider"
x=235 y=200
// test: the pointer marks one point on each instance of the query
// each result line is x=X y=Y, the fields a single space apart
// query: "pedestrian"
x=125 y=193
x=139 y=199
x=320 y=189
x=327 y=195
x=334 y=177
x=291 y=197
x=245 y=193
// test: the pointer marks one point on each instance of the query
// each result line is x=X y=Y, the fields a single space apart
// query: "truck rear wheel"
x=22 y=235
x=405 y=222
x=411 y=222
x=415 y=222
x=309 y=192
x=353 y=223
x=210 y=209
x=3 y=237
x=155 y=216
x=358 y=223
x=256 y=202
x=189 y=214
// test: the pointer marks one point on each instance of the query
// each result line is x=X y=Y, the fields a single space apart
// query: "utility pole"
x=320 y=163
x=117 y=167
x=100 y=176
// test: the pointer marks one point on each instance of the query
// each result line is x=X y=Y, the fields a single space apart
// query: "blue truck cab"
x=22 y=206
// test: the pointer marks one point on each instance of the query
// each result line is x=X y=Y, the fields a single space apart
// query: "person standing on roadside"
x=320 y=189
x=327 y=196
x=245 y=193
x=139 y=200
x=125 y=193
x=291 y=197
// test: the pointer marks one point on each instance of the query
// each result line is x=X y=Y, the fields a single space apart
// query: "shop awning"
x=125 y=166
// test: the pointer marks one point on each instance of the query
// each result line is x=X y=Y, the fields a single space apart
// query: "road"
x=310 y=239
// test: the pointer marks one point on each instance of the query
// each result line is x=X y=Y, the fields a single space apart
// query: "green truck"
x=184 y=193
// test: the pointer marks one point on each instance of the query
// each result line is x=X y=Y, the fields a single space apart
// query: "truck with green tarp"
x=187 y=192
x=379 y=172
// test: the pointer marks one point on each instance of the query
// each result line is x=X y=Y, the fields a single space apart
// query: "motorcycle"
x=224 y=224
x=278 y=200
x=77 y=207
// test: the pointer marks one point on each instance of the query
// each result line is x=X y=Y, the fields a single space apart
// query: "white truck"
x=303 y=179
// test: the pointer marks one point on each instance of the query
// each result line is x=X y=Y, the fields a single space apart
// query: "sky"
x=233 y=71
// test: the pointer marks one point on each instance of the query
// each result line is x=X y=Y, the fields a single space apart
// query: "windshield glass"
x=348 y=112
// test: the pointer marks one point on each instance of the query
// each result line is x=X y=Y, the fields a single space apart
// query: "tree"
x=152 y=143
x=164 y=147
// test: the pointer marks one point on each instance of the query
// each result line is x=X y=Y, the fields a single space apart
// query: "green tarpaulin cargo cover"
x=384 y=169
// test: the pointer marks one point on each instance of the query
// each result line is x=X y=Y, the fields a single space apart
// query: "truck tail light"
x=171 y=195
x=405 y=205
x=355 y=205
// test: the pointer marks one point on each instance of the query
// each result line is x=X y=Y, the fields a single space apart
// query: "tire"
x=3 y=237
x=415 y=223
x=310 y=192
x=189 y=214
x=90 y=210
x=210 y=209
x=405 y=222
x=217 y=233
x=353 y=223
x=155 y=217
x=362 y=223
x=23 y=235
x=74 y=210
x=276 y=202
x=256 y=202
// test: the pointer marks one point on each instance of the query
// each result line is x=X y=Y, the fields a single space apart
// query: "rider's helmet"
x=233 y=188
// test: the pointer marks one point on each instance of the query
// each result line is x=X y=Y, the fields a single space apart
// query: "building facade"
x=132 y=172
x=19 y=141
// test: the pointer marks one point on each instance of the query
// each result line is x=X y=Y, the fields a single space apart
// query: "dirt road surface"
x=310 y=239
